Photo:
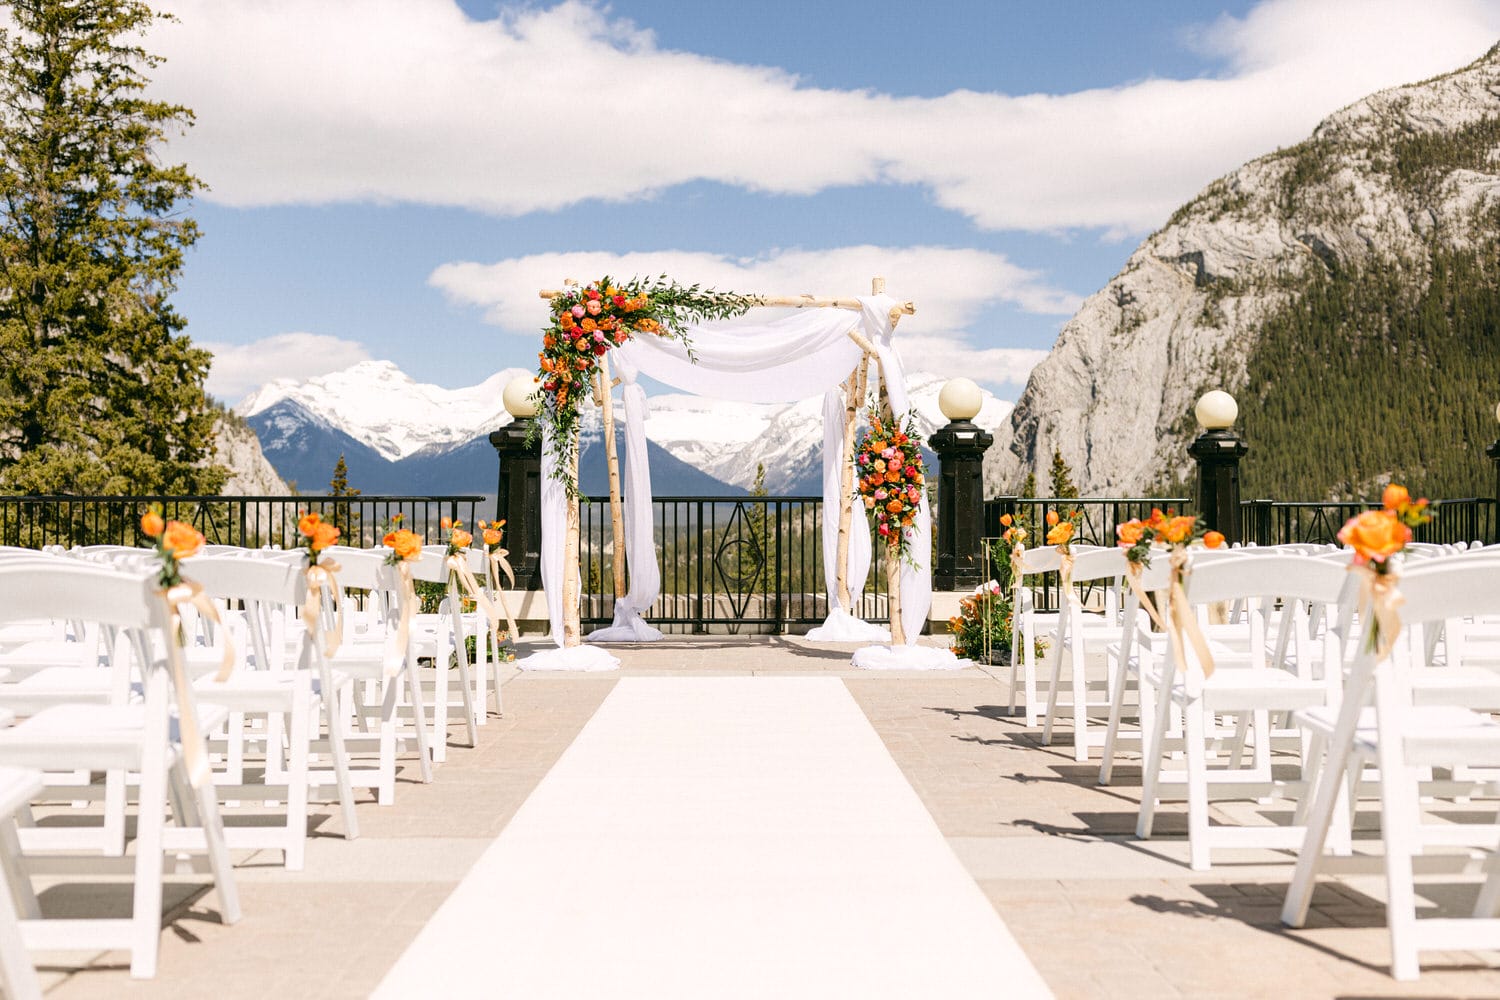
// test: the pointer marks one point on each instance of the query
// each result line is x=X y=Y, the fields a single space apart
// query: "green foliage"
x=341 y=515
x=1061 y=477
x=1028 y=488
x=98 y=391
x=1378 y=371
x=1418 y=162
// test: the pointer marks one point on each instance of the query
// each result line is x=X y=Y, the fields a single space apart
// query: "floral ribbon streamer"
x=320 y=578
x=1065 y=567
x=189 y=593
x=458 y=567
x=497 y=564
x=1379 y=602
x=395 y=650
x=1183 y=622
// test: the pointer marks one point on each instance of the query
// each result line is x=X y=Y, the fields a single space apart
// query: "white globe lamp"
x=519 y=397
x=1217 y=410
x=960 y=399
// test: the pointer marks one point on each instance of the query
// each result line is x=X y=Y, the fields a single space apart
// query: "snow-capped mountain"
x=398 y=435
x=380 y=406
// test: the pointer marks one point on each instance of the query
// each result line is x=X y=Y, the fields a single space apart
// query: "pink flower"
x=594 y=307
x=880 y=494
x=599 y=336
x=885 y=529
x=888 y=453
x=577 y=311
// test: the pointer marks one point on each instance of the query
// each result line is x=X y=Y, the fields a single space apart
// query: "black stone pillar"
x=520 y=500
x=1494 y=452
x=1218 y=453
x=960 y=448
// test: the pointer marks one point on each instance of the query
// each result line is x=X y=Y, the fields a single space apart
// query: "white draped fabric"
x=782 y=360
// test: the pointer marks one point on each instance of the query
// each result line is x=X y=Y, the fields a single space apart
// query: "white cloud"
x=410 y=100
x=242 y=368
x=956 y=292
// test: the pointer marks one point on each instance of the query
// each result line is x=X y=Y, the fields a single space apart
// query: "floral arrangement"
x=1172 y=530
x=405 y=545
x=319 y=535
x=1376 y=536
x=1061 y=529
x=492 y=535
x=173 y=541
x=891 y=473
x=458 y=539
x=984 y=625
x=587 y=320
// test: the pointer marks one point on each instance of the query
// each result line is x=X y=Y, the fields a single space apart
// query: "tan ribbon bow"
x=395 y=651
x=320 y=577
x=1066 y=569
x=175 y=597
x=497 y=563
x=1379 y=601
x=1017 y=570
x=458 y=567
x=1183 y=620
x=1133 y=575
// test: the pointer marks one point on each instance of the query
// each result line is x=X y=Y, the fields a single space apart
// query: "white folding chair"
x=1080 y=632
x=141 y=737
x=17 y=977
x=1027 y=625
x=442 y=636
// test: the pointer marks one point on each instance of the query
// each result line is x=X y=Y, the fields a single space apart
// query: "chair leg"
x=13 y=868
x=1399 y=816
x=1328 y=796
x=1196 y=752
x=17 y=975
x=1488 y=903
x=218 y=853
x=145 y=914
x=341 y=766
x=425 y=755
x=1052 y=690
x=1079 y=662
x=1121 y=675
x=440 y=707
x=115 y=804
x=300 y=734
x=466 y=688
x=497 y=661
x=1029 y=653
x=1015 y=671
x=1151 y=763
x=480 y=668
x=386 y=789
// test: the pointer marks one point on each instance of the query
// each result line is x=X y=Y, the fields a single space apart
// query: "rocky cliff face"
x=1383 y=185
x=250 y=474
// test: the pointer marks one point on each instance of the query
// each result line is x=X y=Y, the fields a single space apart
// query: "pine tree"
x=345 y=519
x=1028 y=488
x=1062 y=478
x=98 y=391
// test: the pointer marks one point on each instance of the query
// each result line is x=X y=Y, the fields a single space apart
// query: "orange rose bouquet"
x=891 y=478
x=1062 y=529
x=1376 y=536
x=1172 y=530
x=317 y=535
x=587 y=320
x=172 y=541
x=491 y=533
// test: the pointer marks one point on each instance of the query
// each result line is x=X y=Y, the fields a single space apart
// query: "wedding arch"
x=820 y=348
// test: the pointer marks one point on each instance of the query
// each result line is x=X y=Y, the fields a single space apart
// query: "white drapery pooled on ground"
x=783 y=360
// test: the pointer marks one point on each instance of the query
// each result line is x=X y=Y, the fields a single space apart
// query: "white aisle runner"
x=719 y=837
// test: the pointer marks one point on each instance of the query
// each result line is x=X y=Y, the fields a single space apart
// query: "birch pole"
x=604 y=393
x=846 y=482
x=572 y=627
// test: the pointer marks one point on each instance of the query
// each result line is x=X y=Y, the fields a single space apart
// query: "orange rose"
x=893 y=477
x=1052 y=518
x=445 y=523
x=1395 y=497
x=309 y=524
x=1006 y=520
x=406 y=544
x=151 y=524
x=492 y=537
x=1375 y=535
x=893 y=506
x=1214 y=540
x=181 y=540
x=323 y=535
x=1179 y=529
x=460 y=538
x=1156 y=520
x=1060 y=534
x=1129 y=533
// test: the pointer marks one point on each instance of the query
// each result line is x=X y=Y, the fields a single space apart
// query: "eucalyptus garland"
x=587 y=320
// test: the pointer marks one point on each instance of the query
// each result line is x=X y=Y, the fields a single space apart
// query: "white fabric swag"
x=782 y=360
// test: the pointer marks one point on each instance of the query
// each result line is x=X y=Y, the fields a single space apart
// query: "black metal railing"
x=1275 y=522
x=254 y=521
x=727 y=564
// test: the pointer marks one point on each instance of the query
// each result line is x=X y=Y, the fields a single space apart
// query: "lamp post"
x=1218 y=451
x=960 y=448
x=1494 y=452
x=519 y=496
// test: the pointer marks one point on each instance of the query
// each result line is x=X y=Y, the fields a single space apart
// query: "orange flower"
x=1179 y=529
x=1060 y=534
x=1130 y=532
x=893 y=477
x=1214 y=540
x=1006 y=520
x=323 y=535
x=151 y=524
x=566 y=321
x=181 y=540
x=1156 y=520
x=1052 y=518
x=893 y=506
x=460 y=538
x=406 y=544
x=589 y=326
x=309 y=524
x=445 y=523
x=1375 y=535
x=1395 y=497
x=492 y=536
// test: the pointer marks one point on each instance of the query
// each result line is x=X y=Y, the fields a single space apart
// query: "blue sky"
x=394 y=178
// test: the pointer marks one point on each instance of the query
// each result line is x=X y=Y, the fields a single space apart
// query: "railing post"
x=1493 y=451
x=518 y=501
x=960 y=447
x=1218 y=451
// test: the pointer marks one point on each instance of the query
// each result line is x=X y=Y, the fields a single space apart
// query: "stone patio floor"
x=1097 y=912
